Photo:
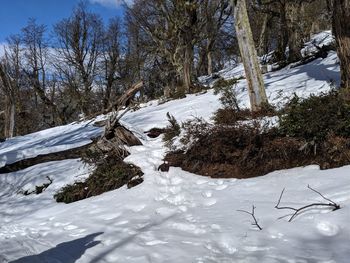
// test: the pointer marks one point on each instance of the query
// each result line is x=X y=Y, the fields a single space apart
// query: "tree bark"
x=282 y=34
x=263 y=39
x=122 y=100
x=248 y=52
x=187 y=66
x=10 y=101
x=341 y=30
x=10 y=111
x=210 y=62
x=294 y=15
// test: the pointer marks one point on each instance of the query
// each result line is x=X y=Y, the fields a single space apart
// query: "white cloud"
x=112 y=3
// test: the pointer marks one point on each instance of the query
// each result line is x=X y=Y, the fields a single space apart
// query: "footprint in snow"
x=221 y=187
x=120 y=223
x=155 y=242
x=190 y=228
x=137 y=208
x=110 y=217
x=165 y=211
x=70 y=227
x=207 y=194
x=209 y=202
x=327 y=229
x=201 y=181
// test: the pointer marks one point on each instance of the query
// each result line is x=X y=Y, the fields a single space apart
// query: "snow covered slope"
x=175 y=216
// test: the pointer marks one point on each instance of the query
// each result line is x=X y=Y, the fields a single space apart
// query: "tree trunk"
x=341 y=30
x=210 y=62
x=247 y=49
x=10 y=112
x=295 y=42
x=167 y=92
x=187 y=68
x=10 y=102
x=282 y=35
x=263 y=39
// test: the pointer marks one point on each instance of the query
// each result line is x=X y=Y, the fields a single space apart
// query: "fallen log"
x=42 y=158
x=116 y=135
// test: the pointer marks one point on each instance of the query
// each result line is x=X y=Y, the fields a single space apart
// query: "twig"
x=253 y=215
x=298 y=210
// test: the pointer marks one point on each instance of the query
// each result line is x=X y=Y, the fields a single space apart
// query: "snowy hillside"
x=174 y=216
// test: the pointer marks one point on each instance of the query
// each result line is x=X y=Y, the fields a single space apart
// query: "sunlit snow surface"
x=175 y=216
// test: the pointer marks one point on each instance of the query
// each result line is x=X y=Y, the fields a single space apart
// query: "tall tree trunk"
x=282 y=34
x=294 y=12
x=247 y=49
x=10 y=112
x=263 y=39
x=209 y=49
x=187 y=68
x=341 y=30
x=210 y=62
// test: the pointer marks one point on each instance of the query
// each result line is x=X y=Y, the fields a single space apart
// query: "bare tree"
x=111 y=58
x=10 y=77
x=256 y=88
x=79 y=40
x=173 y=28
x=215 y=15
x=8 y=87
x=36 y=56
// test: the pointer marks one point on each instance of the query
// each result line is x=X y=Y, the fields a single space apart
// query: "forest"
x=175 y=131
x=79 y=69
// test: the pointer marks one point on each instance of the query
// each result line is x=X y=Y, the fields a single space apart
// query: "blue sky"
x=14 y=14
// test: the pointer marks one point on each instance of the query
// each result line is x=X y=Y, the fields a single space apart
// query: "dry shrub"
x=312 y=131
x=230 y=116
x=244 y=151
x=171 y=131
x=108 y=176
x=194 y=129
x=111 y=172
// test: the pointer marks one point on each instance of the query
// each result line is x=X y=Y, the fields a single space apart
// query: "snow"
x=324 y=38
x=47 y=141
x=175 y=216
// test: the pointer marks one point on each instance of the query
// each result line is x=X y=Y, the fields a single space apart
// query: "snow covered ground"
x=175 y=216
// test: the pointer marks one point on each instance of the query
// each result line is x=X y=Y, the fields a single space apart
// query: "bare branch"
x=297 y=211
x=253 y=215
x=329 y=200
